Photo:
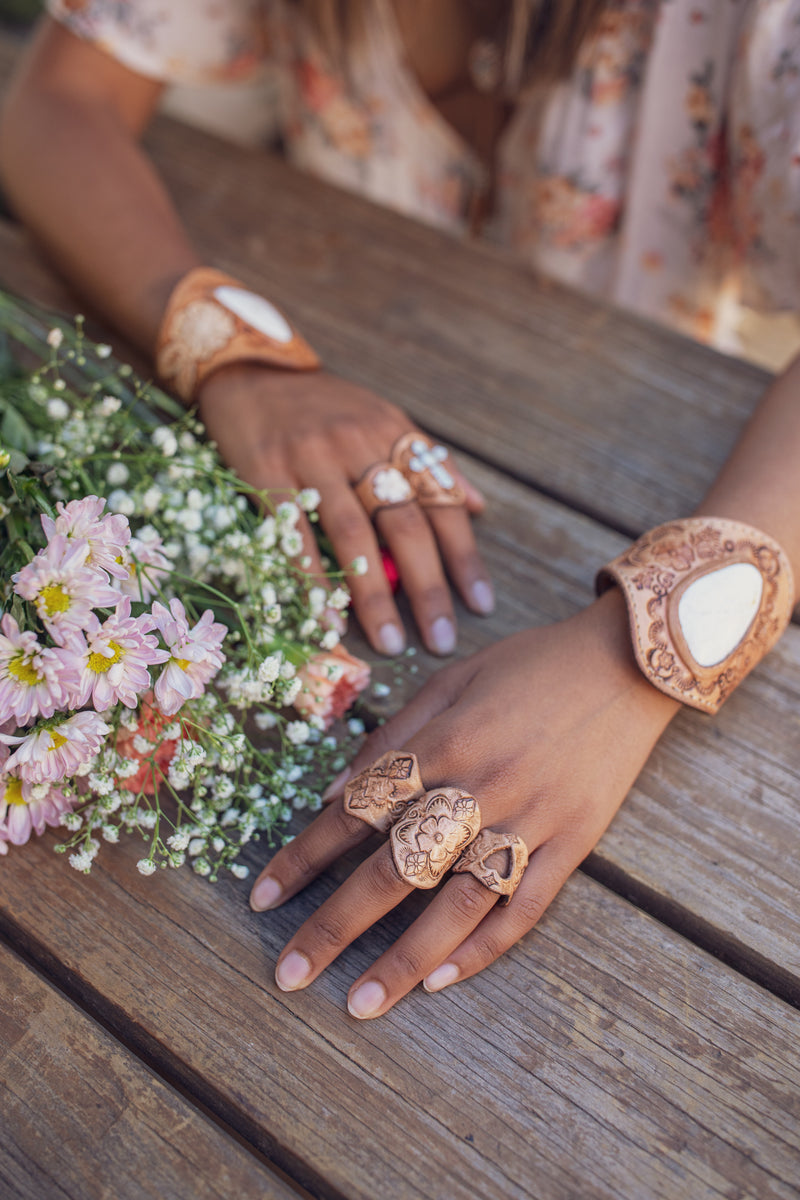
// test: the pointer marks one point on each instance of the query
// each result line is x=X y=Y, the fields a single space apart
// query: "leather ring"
x=431 y=833
x=379 y=794
x=383 y=486
x=487 y=843
x=425 y=465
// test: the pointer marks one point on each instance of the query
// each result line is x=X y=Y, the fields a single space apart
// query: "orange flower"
x=331 y=681
x=154 y=762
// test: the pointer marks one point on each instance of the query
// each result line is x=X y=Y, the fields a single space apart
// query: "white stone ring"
x=383 y=486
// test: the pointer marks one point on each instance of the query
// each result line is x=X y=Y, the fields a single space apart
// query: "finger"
x=330 y=835
x=452 y=915
x=473 y=498
x=372 y=890
x=410 y=539
x=351 y=533
x=437 y=695
x=547 y=870
x=453 y=530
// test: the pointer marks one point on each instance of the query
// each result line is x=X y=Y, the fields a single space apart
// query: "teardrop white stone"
x=716 y=610
x=257 y=311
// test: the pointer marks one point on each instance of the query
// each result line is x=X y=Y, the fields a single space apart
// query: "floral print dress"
x=663 y=175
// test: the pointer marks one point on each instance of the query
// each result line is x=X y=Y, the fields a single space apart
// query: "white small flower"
x=54 y=338
x=288 y=671
x=145 y=866
x=179 y=840
x=270 y=668
x=122 y=502
x=291 y=543
x=110 y=833
x=196 y=846
x=195 y=499
x=151 y=501
x=117 y=474
x=381 y=689
x=265 y=720
x=57 y=410
x=339 y=598
x=297 y=732
x=360 y=565
x=165 y=441
x=288 y=514
x=102 y=350
x=109 y=405
x=355 y=726
x=82 y=861
x=317 y=600
x=329 y=640
x=308 y=499
x=292 y=692
x=240 y=870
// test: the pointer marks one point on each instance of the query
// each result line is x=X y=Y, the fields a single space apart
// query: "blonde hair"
x=542 y=37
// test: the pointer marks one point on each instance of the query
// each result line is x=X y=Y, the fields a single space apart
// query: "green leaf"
x=15 y=432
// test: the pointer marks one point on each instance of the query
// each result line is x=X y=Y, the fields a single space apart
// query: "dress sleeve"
x=177 y=41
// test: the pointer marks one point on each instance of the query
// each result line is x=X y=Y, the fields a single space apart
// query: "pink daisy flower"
x=55 y=751
x=146 y=567
x=83 y=520
x=27 y=807
x=34 y=679
x=63 y=588
x=195 y=655
x=116 y=657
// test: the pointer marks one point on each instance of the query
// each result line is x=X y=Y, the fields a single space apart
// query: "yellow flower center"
x=23 y=671
x=54 y=598
x=57 y=740
x=183 y=663
x=13 y=791
x=100 y=664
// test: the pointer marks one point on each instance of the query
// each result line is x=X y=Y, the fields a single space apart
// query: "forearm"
x=760 y=483
x=74 y=173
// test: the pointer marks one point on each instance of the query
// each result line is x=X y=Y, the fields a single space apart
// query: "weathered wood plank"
x=84 y=1119
x=699 y=838
x=603 y=1057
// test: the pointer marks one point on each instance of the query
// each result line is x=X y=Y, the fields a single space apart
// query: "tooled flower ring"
x=379 y=794
x=431 y=833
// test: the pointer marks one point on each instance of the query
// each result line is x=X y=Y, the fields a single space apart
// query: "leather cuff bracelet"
x=707 y=598
x=211 y=320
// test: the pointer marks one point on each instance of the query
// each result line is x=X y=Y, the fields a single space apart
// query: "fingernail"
x=445 y=974
x=266 y=893
x=443 y=636
x=366 y=1000
x=292 y=972
x=391 y=639
x=481 y=596
x=336 y=785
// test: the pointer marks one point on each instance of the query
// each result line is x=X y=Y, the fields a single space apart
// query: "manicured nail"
x=266 y=893
x=443 y=636
x=445 y=974
x=481 y=596
x=292 y=972
x=391 y=639
x=367 y=1000
x=336 y=785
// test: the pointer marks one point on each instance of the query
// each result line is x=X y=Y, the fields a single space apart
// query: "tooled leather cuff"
x=211 y=320
x=707 y=598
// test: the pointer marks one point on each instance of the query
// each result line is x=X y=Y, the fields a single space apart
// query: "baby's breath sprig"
x=194 y=768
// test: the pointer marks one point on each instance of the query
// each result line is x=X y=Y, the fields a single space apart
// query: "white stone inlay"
x=716 y=610
x=257 y=311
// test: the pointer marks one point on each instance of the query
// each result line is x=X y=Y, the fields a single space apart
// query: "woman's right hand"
x=284 y=431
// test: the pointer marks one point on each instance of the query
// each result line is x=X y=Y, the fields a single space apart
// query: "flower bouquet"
x=168 y=667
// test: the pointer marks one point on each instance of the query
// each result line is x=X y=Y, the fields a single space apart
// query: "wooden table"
x=643 y=1041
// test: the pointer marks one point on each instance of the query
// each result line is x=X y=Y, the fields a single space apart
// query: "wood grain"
x=84 y=1119
x=603 y=1057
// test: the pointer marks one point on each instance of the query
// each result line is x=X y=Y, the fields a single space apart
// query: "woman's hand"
x=285 y=431
x=548 y=731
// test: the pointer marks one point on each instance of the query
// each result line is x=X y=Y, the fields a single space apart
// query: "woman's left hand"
x=547 y=730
